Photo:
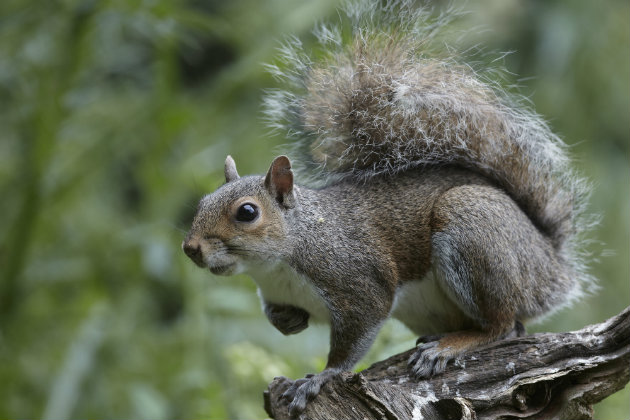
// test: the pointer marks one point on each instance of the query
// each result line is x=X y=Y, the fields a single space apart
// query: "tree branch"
x=551 y=376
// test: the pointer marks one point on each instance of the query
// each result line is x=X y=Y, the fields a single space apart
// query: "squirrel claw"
x=430 y=359
x=303 y=390
x=299 y=393
x=289 y=394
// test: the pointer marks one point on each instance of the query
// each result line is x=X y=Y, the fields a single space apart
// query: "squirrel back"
x=382 y=100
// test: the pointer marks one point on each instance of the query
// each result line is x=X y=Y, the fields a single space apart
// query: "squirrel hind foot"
x=434 y=352
x=430 y=359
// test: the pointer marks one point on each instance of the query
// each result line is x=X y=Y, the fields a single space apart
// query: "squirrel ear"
x=279 y=182
x=230 y=170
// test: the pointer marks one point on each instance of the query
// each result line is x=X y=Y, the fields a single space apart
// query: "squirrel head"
x=243 y=221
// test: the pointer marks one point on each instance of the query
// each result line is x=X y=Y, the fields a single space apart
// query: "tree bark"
x=541 y=376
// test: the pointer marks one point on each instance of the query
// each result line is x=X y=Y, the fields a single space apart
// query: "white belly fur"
x=281 y=284
x=419 y=304
x=425 y=309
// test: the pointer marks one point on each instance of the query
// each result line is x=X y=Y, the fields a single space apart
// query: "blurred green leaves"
x=115 y=118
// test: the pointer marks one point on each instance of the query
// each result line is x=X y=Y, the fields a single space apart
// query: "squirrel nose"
x=192 y=248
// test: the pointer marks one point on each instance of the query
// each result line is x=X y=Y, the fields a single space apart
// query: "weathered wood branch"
x=550 y=376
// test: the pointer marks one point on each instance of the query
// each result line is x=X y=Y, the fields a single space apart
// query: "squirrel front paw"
x=288 y=319
x=301 y=391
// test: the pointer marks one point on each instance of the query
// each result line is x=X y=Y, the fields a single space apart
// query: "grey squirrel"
x=439 y=199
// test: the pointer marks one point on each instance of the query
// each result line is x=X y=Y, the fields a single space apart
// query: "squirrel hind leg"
x=491 y=262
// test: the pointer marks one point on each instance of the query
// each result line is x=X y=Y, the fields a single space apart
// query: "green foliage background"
x=115 y=118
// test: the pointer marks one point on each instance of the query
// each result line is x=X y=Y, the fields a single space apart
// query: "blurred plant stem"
x=39 y=128
x=79 y=360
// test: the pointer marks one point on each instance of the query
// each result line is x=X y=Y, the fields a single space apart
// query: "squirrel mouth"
x=221 y=269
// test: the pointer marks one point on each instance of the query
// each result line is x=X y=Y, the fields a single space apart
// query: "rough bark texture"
x=542 y=376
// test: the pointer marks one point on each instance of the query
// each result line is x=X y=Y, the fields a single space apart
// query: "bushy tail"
x=382 y=97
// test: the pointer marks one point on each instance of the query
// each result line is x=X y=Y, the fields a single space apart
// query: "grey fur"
x=422 y=167
x=288 y=319
x=390 y=100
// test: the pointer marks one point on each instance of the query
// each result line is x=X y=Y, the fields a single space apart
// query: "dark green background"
x=115 y=118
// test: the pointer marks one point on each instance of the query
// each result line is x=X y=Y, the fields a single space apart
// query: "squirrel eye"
x=247 y=213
